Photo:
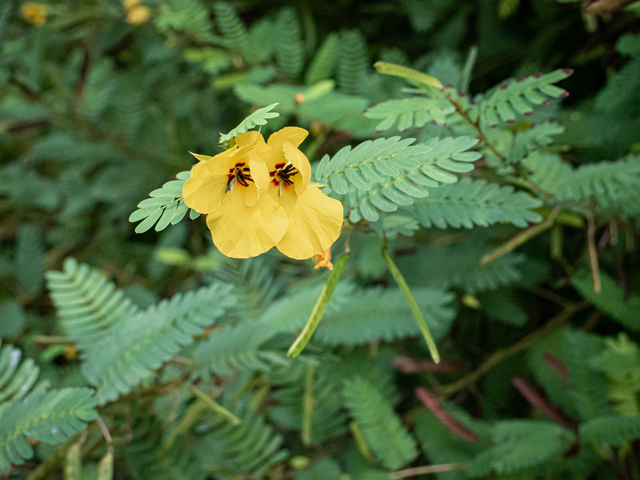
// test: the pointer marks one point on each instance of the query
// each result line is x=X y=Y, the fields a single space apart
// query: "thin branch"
x=500 y=355
x=520 y=238
x=542 y=404
x=476 y=124
x=431 y=402
x=593 y=253
x=444 y=467
x=105 y=434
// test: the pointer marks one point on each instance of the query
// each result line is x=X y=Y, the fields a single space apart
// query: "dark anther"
x=286 y=173
x=241 y=174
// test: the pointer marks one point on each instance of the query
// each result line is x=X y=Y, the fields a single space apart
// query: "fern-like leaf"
x=16 y=379
x=589 y=388
x=520 y=444
x=410 y=112
x=459 y=265
x=518 y=96
x=469 y=203
x=165 y=207
x=241 y=346
x=251 y=448
x=379 y=424
x=120 y=361
x=230 y=25
x=323 y=64
x=146 y=457
x=376 y=162
x=383 y=314
x=526 y=141
x=612 y=299
x=88 y=305
x=352 y=62
x=259 y=117
x=30 y=260
x=289 y=46
x=328 y=419
x=611 y=429
x=47 y=417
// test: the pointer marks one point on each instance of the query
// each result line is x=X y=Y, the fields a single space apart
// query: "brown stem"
x=411 y=472
x=593 y=253
x=494 y=359
x=476 y=124
x=542 y=404
x=431 y=402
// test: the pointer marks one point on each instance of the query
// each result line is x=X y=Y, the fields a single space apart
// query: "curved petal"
x=299 y=161
x=259 y=174
x=241 y=231
x=204 y=191
x=315 y=221
x=295 y=135
x=249 y=139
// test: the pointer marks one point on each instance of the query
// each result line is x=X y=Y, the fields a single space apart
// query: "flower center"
x=239 y=173
x=283 y=174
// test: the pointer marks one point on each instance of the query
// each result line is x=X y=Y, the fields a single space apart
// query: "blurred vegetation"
x=510 y=207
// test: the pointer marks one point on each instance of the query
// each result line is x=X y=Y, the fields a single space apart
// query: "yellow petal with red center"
x=301 y=163
x=315 y=221
x=259 y=173
x=203 y=191
x=241 y=231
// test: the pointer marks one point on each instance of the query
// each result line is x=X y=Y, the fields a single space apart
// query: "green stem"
x=520 y=238
x=500 y=355
x=415 y=308
x=319 y=308
x=307 y=407
x=215 y=406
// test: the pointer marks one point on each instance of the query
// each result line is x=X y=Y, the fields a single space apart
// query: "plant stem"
x=412 y=472
x=494 y=359
x=520 y=238
x=415 y=308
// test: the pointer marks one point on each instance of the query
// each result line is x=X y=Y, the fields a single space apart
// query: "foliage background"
x=97 y=111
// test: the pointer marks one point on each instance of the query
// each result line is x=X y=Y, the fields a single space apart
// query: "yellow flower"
x=34 y=13
x=257 y=195
x=138 y=14
x=129 y=4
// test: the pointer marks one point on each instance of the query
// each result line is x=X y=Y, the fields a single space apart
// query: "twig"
x=307 y=406
x=535 y=399
x=105 y=434
x=53 y=462
x=215 y=406
x=593 y=253
x=444 y=467
x=411 y=365
x=431 y=402
x=520 y=238
x=476 y=124
x=557 y=365
x=554 y=324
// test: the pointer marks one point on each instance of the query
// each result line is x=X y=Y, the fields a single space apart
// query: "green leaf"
x=259 y=117
x=612 y=300
x=384 y=433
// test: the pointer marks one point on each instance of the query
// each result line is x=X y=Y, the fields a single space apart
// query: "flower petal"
x=241 y=231
x=203 y=191
x=315 y=221
x=249 y=139
x=299 y=161
x=295 y=135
